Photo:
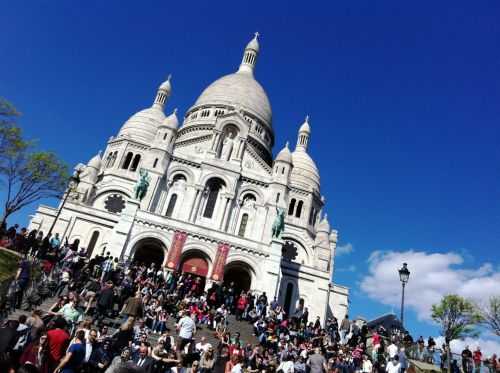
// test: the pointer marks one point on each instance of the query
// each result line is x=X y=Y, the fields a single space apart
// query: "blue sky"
x=403 y=99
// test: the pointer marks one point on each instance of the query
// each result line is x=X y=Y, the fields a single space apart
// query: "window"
x=299 y=209
x=292 y=207
x=92 y=242
x=283 y=171
x=128 y=159
x=155 y=163
x=113 y=159
x=114 y=203
x=165 y=136
x=135 y=163
x=171 y=205
x=243 y=225
x=213 y=194
x=277 y=197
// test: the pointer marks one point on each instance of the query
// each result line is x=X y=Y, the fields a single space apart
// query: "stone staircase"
x=243 y=327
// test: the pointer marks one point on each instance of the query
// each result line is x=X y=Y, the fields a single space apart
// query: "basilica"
x=205 y=196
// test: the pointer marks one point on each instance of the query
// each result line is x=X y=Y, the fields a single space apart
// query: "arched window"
x=292 y=207
x=165 y=136
x=92 y=242
x=299 y=209
x=155 y=162
x=243 y=225
x=213 y=194
x=135 y=163
x=128 y=159
x=171 y=205
x=278 y=197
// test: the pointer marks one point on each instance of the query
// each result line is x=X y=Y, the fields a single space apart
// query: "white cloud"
x=488 y=346
x=344 y=249
x=432 y=276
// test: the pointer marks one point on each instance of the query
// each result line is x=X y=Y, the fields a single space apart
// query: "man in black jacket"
x=144 y=361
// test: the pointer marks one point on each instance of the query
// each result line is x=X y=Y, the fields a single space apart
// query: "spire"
x=304 y=135
x=250 y=56
x=163 y=94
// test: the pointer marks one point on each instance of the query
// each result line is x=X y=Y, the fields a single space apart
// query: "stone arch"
x=149 y=250
x=214 y=175
x=234 y=120
x=249 y=263
x=149 y=234
x=241 y=274
x=181 y=169
x=196 y=253
x=251 y=189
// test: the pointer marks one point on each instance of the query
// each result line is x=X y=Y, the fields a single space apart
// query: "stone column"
x=232 y=229
x=225 y=213
x=241 y=148
x=197 y=198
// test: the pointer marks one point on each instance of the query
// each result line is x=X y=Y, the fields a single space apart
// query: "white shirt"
x=186 y=327
x=203 y=347
x=392 y=350
x=367 y=366
x=391 y=368
x=88 y=351
x=237 y=369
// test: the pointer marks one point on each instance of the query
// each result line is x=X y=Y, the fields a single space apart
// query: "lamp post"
x=74 y=180
x=404 y=275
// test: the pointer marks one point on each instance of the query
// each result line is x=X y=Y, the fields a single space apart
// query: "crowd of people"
x=169 y=322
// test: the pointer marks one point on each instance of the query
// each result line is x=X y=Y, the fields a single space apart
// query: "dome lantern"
x=304 y=134
x=163 y=94
x=250 y=56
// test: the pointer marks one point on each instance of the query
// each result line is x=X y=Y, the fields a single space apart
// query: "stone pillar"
x=225 y=214
x=272 y=269
x=232 y=228
x=194 y=210
x=120 y=233
x=241 y=149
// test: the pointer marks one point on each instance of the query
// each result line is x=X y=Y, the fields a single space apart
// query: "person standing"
x=186 y=328
x=317 y=362
x=58 y=340
x=345 y=326
x=393 y=366
x=75 y=356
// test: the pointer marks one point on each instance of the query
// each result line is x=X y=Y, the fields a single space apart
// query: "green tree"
x=457 y=317
x=490 y=314
x=26 y=175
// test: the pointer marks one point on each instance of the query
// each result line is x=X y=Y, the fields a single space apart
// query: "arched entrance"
x=149 y=250
x=240 y=274
x=195 y=263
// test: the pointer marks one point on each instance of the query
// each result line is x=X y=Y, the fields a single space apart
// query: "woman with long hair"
x=36 y=353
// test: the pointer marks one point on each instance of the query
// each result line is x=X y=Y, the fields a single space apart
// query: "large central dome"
x=238 y=89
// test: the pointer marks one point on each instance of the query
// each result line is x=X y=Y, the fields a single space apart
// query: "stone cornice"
x=200 y=236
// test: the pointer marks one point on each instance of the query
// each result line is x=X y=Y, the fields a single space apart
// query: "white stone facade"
x=215 y=179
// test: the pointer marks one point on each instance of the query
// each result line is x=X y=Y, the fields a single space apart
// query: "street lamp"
x=404 y=275
x=74 y=180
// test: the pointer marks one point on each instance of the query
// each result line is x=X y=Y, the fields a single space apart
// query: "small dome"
x=323 y=225
x=305 y=127
x=171 y=121
x=284 y=155
x=254 y=43
x=143 y=125
x=166 y=86
x=96 y=161
x=238 y=89
x=304 y=172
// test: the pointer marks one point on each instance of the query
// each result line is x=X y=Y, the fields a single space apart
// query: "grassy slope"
x=8 y=264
